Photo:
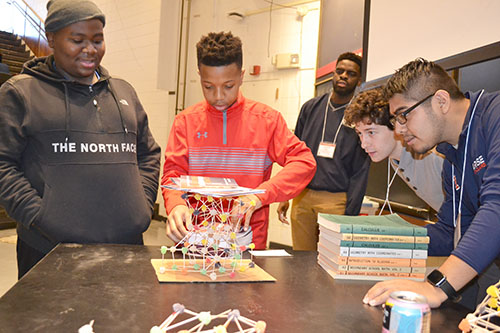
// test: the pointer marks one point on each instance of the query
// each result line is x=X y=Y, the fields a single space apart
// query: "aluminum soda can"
x=406 y=312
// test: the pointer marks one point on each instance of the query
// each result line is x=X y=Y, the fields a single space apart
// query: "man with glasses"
x=430 y=110
x=401 y=116
x=340 y=181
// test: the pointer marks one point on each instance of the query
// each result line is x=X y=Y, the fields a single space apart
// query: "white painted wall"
x=451 y=27
x=38 y=6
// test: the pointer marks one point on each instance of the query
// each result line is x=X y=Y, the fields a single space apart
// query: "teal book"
x=371 y=252
x=384 y=225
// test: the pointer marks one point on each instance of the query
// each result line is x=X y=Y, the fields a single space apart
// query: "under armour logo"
x=199 y=134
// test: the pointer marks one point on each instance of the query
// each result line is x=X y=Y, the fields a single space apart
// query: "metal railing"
x=28 y=26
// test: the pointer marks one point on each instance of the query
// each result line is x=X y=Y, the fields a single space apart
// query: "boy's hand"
x=178 y=219
x=380 y=292
x=282 y=209
x=249 y=204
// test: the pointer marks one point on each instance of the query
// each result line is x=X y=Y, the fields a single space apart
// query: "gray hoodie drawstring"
x=68 y=113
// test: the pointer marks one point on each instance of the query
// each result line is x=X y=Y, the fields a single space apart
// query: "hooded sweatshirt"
x=478 y=189
x=78 y=163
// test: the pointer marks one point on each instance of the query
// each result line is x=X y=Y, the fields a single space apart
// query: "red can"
x=406 y=312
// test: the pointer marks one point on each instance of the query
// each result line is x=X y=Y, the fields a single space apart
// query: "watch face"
x=438 y=279
x=435 y=277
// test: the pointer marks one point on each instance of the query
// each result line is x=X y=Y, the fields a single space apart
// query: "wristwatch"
x=437 y=279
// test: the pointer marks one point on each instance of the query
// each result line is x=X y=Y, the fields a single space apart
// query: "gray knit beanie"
x=61 y=13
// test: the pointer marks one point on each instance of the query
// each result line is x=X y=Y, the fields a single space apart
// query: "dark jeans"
x=27 y=257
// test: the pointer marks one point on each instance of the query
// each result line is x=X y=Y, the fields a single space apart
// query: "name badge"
x=326 y=149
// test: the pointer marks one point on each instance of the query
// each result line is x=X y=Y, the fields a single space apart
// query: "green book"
x=384 y=225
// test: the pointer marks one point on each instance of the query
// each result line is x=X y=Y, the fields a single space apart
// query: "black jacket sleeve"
x=358 y=181
x=21 y=201
x=148 y=156
x=299 y=127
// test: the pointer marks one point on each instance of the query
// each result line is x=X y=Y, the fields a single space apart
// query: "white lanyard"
x=389 y=183
x=457 y=219
x=326 y=116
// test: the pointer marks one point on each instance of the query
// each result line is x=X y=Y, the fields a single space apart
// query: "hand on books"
x=282 y=209
x=250 y=203
x=380 y=292
x=178 y=219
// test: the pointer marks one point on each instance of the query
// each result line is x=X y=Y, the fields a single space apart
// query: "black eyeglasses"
x=401 y=117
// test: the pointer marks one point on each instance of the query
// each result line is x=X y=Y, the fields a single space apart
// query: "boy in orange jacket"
x=227 y=135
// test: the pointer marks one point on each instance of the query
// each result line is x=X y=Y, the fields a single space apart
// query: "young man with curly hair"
x=430 y=110
x=369 y=114
x=227 y=135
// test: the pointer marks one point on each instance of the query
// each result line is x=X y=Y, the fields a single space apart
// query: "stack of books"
x=371 y=247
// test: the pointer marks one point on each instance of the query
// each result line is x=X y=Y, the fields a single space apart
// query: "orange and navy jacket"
x=241 y=142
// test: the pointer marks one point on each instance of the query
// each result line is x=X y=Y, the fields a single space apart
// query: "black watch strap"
x=450 y=291
x=437 y=279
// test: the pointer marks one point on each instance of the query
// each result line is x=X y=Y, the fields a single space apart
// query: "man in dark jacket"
x=341 y=176
x=78 y=162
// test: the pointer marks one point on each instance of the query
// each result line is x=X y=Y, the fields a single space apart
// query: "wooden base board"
x=243 y=273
